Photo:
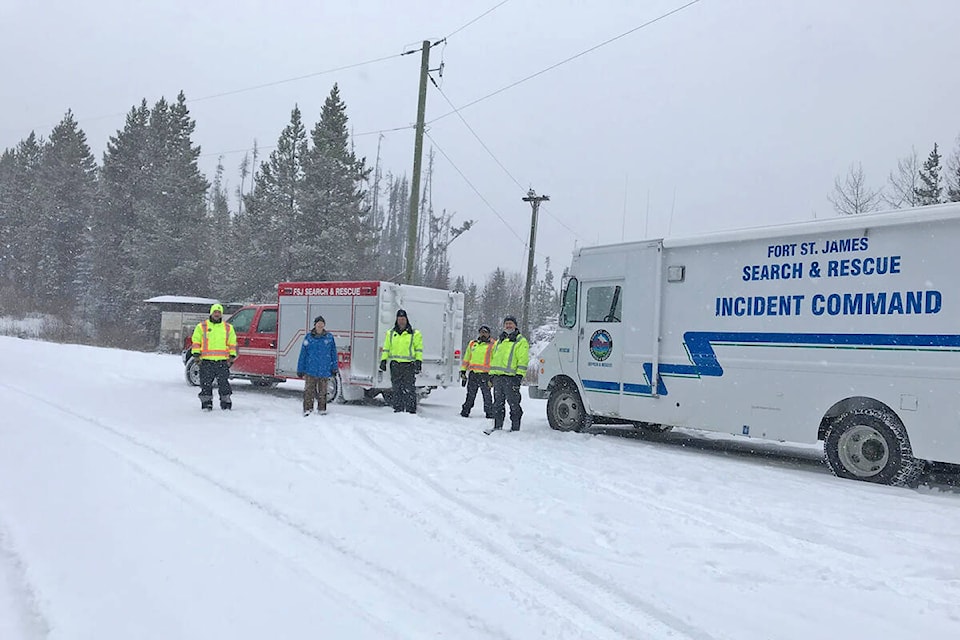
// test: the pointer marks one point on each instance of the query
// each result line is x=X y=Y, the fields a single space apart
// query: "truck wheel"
x=333 y=390
x=565 y=410
x=871 y=445
x=191 y=372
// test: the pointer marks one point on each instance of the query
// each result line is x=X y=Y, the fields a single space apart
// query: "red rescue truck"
x=358 y=314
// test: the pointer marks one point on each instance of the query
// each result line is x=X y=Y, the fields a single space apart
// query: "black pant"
x=403 y=378
x=477 y=380
x=506 y=389
x=219 y=370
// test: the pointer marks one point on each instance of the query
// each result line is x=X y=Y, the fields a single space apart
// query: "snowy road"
x=126 y=513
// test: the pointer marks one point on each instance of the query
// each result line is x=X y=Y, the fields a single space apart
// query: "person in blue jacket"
x=317 y=364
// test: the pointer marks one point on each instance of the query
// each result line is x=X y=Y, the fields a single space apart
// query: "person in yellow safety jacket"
x=403 y=349
x=476 y=362
x=507 y=368
x=215 y=346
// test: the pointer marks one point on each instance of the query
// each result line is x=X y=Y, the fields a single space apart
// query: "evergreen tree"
x=266 y=228
x=931 y=186
x=25 y=221
x=152 y=235
x=333 y=240
x=68 y=197
x=8 y=168
x=109 y=264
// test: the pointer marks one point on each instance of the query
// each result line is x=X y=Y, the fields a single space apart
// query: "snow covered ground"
x=125 y=512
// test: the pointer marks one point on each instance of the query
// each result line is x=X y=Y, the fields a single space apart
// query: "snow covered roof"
x=180 y=300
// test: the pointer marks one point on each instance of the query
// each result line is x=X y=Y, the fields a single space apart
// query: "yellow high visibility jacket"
x=476 y=357
x=403 y=346
x=510 y=356
x=214 y=340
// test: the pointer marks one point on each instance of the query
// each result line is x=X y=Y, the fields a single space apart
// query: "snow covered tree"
x=22 y=223
x=67 y=199
x=930 y=190
x=269 y=221
x=333 y=240
x=852 y=195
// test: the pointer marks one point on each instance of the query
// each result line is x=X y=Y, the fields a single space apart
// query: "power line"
x=566 y=60
x=490 y=10
x=294 y=79
x=497 y=160
x=256 y=87
x=475 y=190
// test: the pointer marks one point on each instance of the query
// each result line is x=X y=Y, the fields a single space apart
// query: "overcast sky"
x=727 y=114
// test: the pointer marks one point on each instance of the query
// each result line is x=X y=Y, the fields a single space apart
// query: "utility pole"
x=534 y=201
x=417 y=161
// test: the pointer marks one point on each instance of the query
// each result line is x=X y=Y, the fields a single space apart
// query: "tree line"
x=89 y=242
x=911 y=184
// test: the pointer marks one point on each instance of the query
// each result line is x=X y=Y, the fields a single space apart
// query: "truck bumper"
x=537 y=393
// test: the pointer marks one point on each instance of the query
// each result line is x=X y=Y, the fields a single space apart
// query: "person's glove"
x=230 y=360
x=300 y=374
x=333 y=373
x=383 y=365
x=463 y=378
x=417 y=366
x=196 y=356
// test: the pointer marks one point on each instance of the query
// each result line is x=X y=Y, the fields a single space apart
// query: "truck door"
x=256 y=329
x=600 y=349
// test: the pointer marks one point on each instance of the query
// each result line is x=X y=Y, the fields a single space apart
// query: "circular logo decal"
x=601 y=345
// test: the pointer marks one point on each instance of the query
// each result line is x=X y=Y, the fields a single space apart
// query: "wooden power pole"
x=417 y=161
x=534 y=201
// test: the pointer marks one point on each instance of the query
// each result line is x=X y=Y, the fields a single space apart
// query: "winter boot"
x=206 y=406
x=306 y=413
x=464 y=414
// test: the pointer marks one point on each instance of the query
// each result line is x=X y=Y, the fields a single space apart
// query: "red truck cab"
x=256 y=328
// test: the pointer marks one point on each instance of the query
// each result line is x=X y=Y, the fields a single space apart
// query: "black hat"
x=319 y=319
x=401 y=312
x=484 y=327
x=512 y=319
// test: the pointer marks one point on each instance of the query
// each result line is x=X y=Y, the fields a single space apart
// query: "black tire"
x=565 y=410
x=191 y=372
x=333 y=390
x=871 y=444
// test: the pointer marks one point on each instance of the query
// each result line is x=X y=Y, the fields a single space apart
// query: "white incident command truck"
x=844 y=330
x=358 y=314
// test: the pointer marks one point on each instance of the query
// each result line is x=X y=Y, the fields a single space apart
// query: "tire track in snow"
x=550 y=574
x=378 y=576
x=29 y=619
x=794 y=547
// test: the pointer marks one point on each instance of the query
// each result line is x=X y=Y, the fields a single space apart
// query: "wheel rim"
x=863 y=451
x=195 y=374
x=567 y=410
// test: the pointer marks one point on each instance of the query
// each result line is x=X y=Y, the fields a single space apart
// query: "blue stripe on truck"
x=699 y=346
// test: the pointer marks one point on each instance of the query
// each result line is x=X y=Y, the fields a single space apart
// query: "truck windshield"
x=568 y=312
x=241 y=320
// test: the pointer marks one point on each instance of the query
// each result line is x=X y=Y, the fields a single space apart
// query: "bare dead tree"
x=953 y=174
x=904 y=182
x=852 y=195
